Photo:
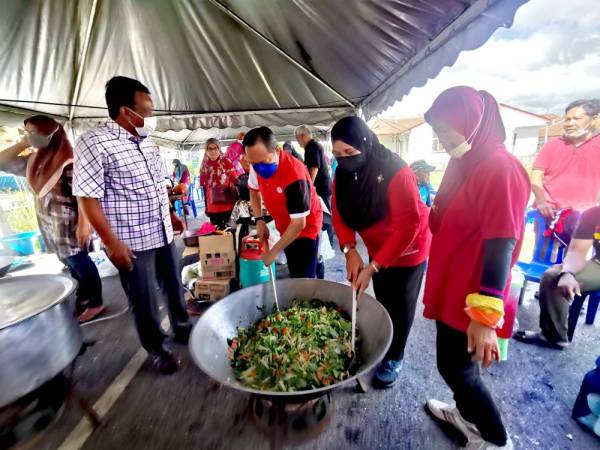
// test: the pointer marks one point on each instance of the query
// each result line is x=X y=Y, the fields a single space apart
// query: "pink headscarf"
x=234 y=153
x=475 y=115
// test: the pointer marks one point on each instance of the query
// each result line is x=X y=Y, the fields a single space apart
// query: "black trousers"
x=327 y=225
x=141 y=289
x=397 y=288
x=221 y=219
x=473 y=400
x=89 y=289
x=302 y=257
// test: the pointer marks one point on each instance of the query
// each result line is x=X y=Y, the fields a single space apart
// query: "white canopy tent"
x=232 y=64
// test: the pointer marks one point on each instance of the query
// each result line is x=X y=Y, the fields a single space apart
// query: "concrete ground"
x=535 y=390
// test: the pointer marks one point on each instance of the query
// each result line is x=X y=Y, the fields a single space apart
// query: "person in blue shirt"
x=422 y=171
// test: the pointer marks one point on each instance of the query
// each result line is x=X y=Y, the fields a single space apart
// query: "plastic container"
x=252 y=269
x=587 y=405
x=23 y=244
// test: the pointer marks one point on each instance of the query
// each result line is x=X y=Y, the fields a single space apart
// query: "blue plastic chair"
x=547 y=252
x=179 y=204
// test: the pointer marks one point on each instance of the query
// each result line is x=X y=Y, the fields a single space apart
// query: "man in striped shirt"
x=119 y=177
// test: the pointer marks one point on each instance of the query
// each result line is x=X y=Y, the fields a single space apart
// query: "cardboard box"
x=211 y=290
x=217 y=257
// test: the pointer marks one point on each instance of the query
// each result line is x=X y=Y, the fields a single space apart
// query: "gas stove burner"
x=287 y=423
x=23 y=421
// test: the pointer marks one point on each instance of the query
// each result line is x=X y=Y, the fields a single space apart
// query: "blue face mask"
x=265 y=170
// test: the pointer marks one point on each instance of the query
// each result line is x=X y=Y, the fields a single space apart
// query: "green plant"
x=19 y=211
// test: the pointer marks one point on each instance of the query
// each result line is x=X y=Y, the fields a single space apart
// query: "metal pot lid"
x=26 y=296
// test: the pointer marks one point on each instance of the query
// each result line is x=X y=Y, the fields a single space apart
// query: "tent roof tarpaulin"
x=233 y=63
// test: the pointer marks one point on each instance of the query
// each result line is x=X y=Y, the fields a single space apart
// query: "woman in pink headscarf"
x=234 y=153
x=477 y=221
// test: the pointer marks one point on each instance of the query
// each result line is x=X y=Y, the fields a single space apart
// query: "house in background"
x=412 y=138
x=555 y=127
x=395 y=133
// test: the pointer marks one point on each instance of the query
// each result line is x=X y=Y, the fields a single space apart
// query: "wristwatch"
x=256 y=219
x=346 y=248
x=564 y=272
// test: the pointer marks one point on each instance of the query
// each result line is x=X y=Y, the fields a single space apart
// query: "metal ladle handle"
x=354 y=301
x=273 y=287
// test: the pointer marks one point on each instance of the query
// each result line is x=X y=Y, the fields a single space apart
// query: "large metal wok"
x=39 y=337
x=208 y=343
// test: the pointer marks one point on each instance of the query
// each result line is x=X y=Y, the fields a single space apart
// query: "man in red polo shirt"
x=566 y=172
x=284 y=185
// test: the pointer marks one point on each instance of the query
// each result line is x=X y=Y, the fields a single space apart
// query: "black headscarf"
x=361 y=196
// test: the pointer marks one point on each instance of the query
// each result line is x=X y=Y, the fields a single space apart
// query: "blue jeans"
x=89 y=289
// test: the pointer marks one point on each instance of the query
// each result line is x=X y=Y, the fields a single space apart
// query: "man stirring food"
x=283 y=183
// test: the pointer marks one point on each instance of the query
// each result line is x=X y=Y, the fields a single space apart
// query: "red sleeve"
x=344 y=233
x=203 y=178
x=544 y=158
x=185 y=178
x=501 y=200
x=404 y=217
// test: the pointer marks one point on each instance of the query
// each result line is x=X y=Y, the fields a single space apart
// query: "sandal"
x=535 y=338
x=90 y=313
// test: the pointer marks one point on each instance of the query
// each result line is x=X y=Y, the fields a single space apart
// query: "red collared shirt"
x=290 y=194
x=571 y=174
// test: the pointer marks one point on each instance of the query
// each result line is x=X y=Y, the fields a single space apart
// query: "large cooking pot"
x=208 y=343
x=39 y=337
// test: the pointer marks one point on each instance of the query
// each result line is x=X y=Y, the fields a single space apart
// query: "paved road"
x=535 y=389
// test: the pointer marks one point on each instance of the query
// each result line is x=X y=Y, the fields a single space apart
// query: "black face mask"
x=351 y=163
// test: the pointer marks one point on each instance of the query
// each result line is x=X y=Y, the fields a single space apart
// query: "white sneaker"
x=451 y=414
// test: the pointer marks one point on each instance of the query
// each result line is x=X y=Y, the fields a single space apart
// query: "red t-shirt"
x=490 y=204
x=571 y=174
x=402 y=238
x=290 y=194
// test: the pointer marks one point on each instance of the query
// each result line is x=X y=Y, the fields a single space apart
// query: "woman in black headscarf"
x=376 y=195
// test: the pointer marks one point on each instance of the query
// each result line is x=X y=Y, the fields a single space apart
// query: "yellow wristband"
x=485 y=303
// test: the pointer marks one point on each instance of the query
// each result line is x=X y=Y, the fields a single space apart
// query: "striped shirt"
x=125 y=172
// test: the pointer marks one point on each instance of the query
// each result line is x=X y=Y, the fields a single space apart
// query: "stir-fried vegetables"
x=304 y=347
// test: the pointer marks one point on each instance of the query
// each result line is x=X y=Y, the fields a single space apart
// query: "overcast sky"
x=549 y=57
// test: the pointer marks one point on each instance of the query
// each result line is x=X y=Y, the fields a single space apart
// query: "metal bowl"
x=39 y=337
x=208 y=343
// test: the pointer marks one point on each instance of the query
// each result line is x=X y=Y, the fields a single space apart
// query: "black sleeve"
x=497 y=255
x=297 y=198
x=311 y=156
x=587 y=224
